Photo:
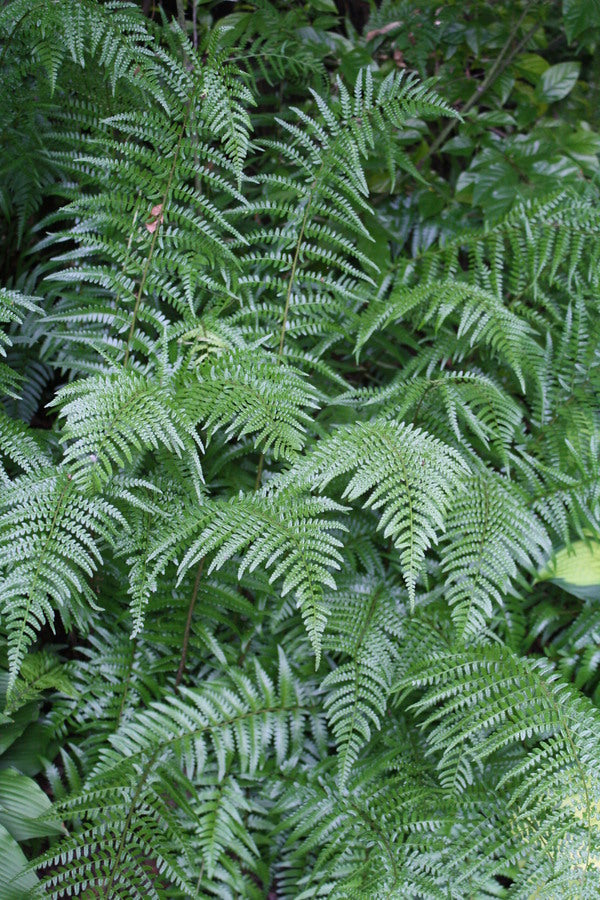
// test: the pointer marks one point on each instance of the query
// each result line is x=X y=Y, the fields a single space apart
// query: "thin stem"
x=293 y=275
x=498 y=67
x=261 y=463
x=288 y=296
x=200 y=877
x=130 y=240
x=195 y=23
x=180 y=14
x=159 y=221
x=132 y=807
x=188 y=624
x=127 y=683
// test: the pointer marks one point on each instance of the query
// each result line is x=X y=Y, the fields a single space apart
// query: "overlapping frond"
x=487 y=706
x=291 y=535
x=252 y=392
x=490 y=534
x=109 y=418
x=405 y=472
x=256 y=418
x=137 y=798
x=365 y=623
x=50 y=545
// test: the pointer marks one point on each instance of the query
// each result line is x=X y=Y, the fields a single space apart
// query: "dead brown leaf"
x=384 y=30
x=157 y=218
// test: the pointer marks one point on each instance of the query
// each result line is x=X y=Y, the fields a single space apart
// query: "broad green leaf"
x=580 y=16
x=324 y=6
x=557 y=82
x=22 y=801
x=31 y=750
x=15 y=882
x=531 y=66
x=576 y=569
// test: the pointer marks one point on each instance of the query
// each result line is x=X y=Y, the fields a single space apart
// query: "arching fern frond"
x=13 y=308
x=470 y=400
x=19 y=446
x=252 y=392
x=222 y=809
x=490 y=533
x=114 y=32
x=305 y=272
x=50 y=538
x=484 y=318
x=407 y=474
x=289 y=534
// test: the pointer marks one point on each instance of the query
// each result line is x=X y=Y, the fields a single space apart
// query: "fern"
x=299 y=398
x=490 y=532
x=48 y=549
x=249 y=392
x=554 y=780
x=298 y=545
x=405 y=472
x=364 y=625
x=109 y=418
x=147 y=774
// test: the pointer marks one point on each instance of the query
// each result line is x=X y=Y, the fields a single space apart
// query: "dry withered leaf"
x=157 y=218
x=391 y=26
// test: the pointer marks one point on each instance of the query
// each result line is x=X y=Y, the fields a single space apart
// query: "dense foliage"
x=299 y=449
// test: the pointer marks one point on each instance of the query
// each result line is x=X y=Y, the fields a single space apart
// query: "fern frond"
x=365 y=624
x=484 y=318
x=109 y=418
x=49 y=546
x=13 y=307
x=485 y=702
x=252 y=392
x=405 y=472
x=470 y=400
x=136 y=800
x=221 y=808
x=490 y=532
x=290 y=534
